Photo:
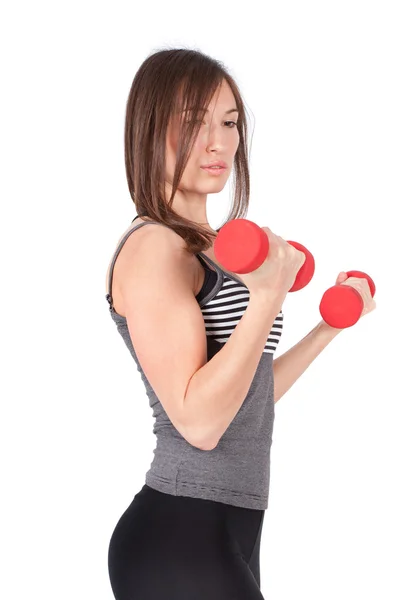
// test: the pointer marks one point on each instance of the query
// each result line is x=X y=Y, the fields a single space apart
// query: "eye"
x=234 y=124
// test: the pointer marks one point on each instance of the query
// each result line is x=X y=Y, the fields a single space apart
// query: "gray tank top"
x=237 y=470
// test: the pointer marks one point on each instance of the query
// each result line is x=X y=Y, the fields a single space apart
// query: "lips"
x=215 y=172
x=215 y=163
x=214 y=168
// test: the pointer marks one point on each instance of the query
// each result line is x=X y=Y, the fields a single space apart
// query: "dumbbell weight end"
x=341 y=305
x=242 y=246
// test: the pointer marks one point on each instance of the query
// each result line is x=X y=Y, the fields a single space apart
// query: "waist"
x=235 y=472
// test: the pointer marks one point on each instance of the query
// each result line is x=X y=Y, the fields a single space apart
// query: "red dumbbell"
x=341 y=305
x=242 y=246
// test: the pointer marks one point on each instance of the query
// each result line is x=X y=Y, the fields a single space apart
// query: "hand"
x=361 y=285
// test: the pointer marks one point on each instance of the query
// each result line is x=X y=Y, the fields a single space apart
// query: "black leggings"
x=167 y=547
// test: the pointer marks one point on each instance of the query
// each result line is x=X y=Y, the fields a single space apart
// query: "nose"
x=216 y=137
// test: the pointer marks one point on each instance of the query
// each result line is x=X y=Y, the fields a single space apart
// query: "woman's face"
x=218 y=139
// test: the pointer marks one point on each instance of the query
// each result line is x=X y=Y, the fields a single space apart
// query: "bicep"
x=165 y=323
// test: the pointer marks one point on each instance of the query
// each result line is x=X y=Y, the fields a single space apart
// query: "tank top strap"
x=108 y=296
x=204 y=260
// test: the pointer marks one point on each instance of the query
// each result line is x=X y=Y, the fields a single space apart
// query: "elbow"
x=206 y=446
x=201 y=442
x=197 y=435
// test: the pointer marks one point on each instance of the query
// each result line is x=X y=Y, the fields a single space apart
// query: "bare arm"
x=217 y=390
x=289 y=366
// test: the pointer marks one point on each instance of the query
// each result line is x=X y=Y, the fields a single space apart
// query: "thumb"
x=341 y=277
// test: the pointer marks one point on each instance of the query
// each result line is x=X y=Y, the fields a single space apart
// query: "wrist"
x=328 y=330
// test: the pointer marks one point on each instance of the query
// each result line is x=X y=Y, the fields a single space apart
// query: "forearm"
x=289 y=366
x=218 y=389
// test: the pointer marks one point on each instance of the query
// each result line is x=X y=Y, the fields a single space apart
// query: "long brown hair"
x=165 y=82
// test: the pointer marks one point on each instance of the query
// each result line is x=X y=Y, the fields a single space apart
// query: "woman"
x=202 y=338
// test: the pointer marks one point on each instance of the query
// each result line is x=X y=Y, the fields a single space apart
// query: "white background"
x=321 y=81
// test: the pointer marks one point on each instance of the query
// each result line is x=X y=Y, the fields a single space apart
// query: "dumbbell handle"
x=242 y=246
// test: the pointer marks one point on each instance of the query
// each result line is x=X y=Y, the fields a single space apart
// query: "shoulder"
x=155 y=239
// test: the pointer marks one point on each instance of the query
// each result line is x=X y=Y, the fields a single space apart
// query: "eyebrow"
x=227 y=112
